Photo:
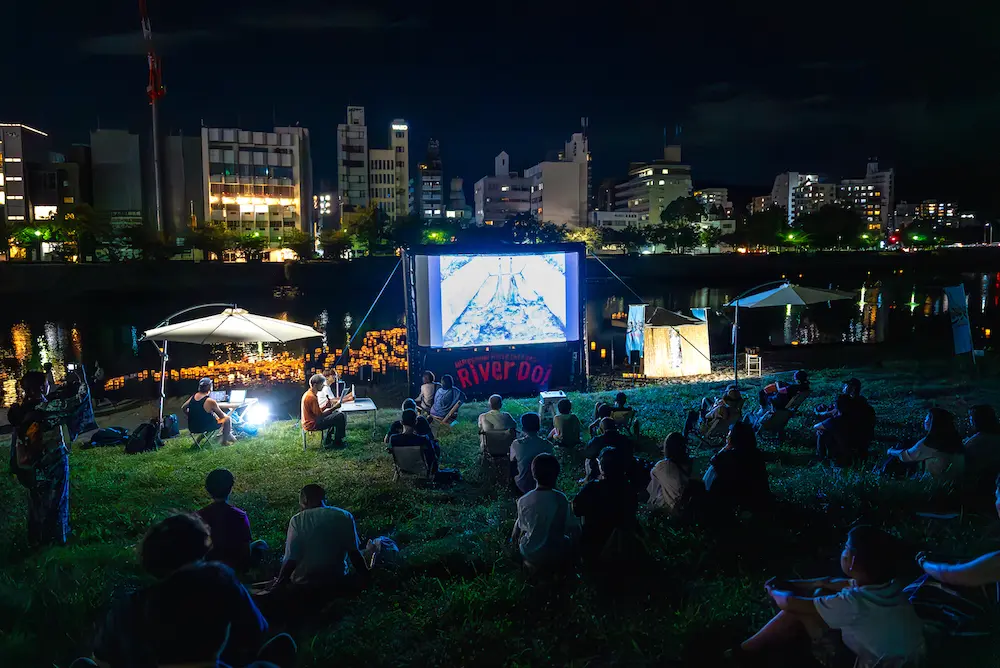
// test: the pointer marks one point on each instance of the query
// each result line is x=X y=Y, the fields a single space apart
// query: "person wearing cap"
x=778 y=394
x=727 y=408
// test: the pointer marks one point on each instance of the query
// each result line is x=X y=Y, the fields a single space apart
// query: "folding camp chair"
x=412 y=461
x=204 y=437
x=713 y=431
x=305 y=435
x=625 y=419
x=495 y=451
x=774 y=420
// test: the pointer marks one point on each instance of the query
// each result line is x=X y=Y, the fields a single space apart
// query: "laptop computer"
x=237 y=396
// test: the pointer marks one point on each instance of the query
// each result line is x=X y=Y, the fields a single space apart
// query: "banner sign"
x=506 y=372
x=958 y=309
x=635 y=327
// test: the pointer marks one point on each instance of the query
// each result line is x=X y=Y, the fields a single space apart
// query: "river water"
x=891 y=309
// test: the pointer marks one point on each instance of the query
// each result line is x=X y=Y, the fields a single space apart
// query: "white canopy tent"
x=232 y=325
x=784 y=294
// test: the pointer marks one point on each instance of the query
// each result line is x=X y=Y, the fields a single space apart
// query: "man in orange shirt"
x=322 y=417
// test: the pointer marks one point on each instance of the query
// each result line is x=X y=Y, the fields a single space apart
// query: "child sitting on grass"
x=546 y=529
x=864 y=620
x=566 y=427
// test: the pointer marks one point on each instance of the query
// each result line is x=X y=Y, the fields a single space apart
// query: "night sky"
x=807 y=86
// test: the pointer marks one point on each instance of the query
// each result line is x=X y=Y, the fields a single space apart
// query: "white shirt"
x=496 y=421
x=522 y=451
x=548 y=526
x=318 y=542
x=667 y=482
x=876 y=622
x=939 y=465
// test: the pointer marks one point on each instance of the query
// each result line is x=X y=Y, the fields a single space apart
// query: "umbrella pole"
x=736 y=347
x=163 y=378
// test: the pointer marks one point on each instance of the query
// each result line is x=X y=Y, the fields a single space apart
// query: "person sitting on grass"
x=779 y=394
x=670 y=477
x=321 y=544
x=940 y=450
x=494 y=419
x=428 y=389
x=863 y=620
x=447 y=400
x=601 y=411
x=397 y=426
x=737 y=475
x=229 y=526
x=837 y=438
x=416 y=432
x=143 y=629
x=317 y=417
x=566 y=426
x=204 y=414
x=546 y=529
x=609 y=437
x=524 y=449
x=982 y=449
x=606 y=504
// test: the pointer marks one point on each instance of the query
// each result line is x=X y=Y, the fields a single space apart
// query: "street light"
x=38 y=233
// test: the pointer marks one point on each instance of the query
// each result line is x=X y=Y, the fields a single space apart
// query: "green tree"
x=407 y=231
x=212 y=238
x=334 y=243
x=630 y=238
x=526 y=229
x=301 y=243
x=141 y=242
x=676 y=221
x=832 y=226
x=369 y=228
x=709 y=237
x=761 y=230
x=82 y=231
x=251 y=246
x=593 y=237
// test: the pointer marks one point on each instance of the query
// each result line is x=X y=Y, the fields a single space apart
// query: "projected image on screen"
x=503 y=299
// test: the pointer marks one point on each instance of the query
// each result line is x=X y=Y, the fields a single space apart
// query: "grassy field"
x=457 y=597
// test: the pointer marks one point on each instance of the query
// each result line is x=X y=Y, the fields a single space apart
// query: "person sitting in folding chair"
x=781 y=395
x=714 y=417
x=205 y=417
x=447 y=400
x=316 y=417
x=412 y=453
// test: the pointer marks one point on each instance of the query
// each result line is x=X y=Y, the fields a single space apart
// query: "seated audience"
x=409 y=436
x=601 y=411
x=727 y=409
x=982 y=449
x=940 y=450
x=982 y=571
x=182 y=618
x=858 y=411
x=326 y=416
x=546 y=530
x=397 y=426
x=428 y=389
x=737 y=474
x=669 y=479
x=864 y=619
x=524 y=449
x=447 y=400
x=494 y=419
x=610 y=437
x=229 y=525
x=778 y=394
x=204 y=414
x=606 y=504
x=838 y=438
x=566 y=426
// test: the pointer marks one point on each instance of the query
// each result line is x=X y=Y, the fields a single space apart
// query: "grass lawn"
x=457 y=597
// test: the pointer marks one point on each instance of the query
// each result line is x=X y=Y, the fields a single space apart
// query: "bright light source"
x=791 y=236
x=400 y=127
x=257 y=414
x=38 y=233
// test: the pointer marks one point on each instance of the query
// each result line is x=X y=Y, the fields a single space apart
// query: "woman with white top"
x=940 y=450
x=670 y=476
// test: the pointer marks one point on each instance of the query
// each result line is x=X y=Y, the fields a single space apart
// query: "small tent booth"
x=498 y=318
x=669 y=345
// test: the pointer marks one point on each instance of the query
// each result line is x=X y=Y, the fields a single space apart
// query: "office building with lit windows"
x=560 y=189
x=258 y=182
x=20 y=146
x=712 y=198
x=871 y=197
x=430 y=187
x=502 y=196
x=369 y=175
x=941 y=213
x=652 y=186
x=812 y=196
x=783 y=191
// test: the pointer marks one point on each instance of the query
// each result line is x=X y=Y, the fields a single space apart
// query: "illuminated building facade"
x=871 y=197
x=19 y=146
x=812 y=196
x=652 y=186
x=560 y=189
x=942 y=213
x=711 y=198
x=783 y=190
x=367 y=176
x=502 y=196
x=258 y=182
x=431 y=188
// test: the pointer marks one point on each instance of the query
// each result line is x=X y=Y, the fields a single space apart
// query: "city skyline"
x=753 y=96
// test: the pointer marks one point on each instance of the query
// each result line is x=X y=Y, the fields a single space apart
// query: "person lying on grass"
x=153 y=627
x=864 y=620
x=229 y=526
x=546 y=530
x=566 y=426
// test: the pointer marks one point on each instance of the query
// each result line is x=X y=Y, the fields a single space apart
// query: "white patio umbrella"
x=232 y=325
x=784 y=294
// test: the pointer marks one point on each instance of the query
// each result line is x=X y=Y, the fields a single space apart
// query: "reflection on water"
x=894 y=310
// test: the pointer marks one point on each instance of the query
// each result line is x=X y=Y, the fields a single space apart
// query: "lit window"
x=504 y=188
x=15 y=217
x=12 y=160
x=665 y=171
x=15 y=178
x=662 y=182
x=15 y=196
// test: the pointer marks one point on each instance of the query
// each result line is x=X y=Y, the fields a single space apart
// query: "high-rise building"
x=712 y=198
x=940 y=213
x=183 y=183
x=457 y=208
x=606 y=195
x=760 y=203
x=117 y=172
x=20 y=145
x=431 y=192
x=352 y=160
x=502 y=196
x=258 y=182
x=652 y=186
x=871 y=197
x=399 y=140
x=783 y=190
x=812 y=196
x=560 y=189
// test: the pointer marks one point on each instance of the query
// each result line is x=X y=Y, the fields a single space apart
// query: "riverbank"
x=457 y=597
x=150 y=280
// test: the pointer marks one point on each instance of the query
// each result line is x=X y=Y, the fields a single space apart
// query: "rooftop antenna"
x=154 y=90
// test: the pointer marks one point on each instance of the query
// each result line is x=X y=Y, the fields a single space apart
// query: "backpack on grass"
x=108 y=437
x=146 y=437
